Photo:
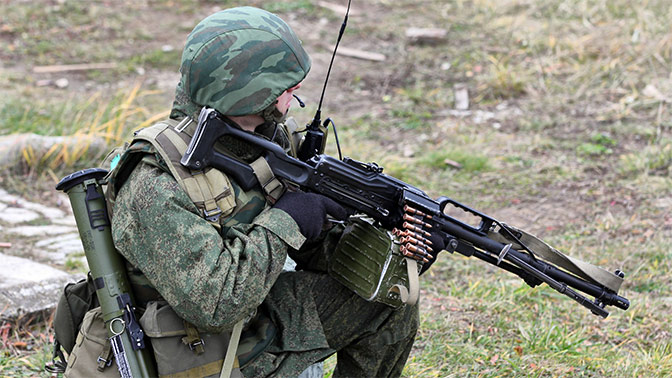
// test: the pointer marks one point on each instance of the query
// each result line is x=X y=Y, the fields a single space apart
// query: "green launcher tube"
x=108 y=271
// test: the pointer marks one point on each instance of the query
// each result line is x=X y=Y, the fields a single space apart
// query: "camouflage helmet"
x=238 y=61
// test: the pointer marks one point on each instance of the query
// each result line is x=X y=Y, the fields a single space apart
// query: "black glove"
x=309 y=211
x=438 y=245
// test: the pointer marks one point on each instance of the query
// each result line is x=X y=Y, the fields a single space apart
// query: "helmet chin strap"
x=272 y=114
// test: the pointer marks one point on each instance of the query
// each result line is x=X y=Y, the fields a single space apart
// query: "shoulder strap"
x=272 y=187
x=209 y=189
x=229 y=368
x=294 y=135
x=573 y=265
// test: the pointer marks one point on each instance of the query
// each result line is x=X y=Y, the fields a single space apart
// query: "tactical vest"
x=222 y=203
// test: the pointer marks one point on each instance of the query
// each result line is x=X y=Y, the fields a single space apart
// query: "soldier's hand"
x=309 y=211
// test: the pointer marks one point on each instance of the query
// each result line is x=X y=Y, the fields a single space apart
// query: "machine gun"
x=409 y=213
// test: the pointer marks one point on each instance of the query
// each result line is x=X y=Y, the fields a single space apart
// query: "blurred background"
x=551 y=116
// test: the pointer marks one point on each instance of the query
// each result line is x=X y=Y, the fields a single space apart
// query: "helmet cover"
x=238 y=61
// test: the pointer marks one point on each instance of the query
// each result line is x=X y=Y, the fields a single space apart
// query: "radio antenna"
x=331 y=63
x=315 y=138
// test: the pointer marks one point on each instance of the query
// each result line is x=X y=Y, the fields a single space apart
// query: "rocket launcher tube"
x=108 y=270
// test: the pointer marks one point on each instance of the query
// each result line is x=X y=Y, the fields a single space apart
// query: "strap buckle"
x=103 y=362
x=192 y=339
x=212 y=215
x=273 y=188
x=105 y=358
x=195 y=344
x=183 y=124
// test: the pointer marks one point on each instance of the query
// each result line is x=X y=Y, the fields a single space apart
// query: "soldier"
x=203 y=251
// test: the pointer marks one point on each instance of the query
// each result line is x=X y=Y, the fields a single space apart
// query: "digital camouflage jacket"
x=214 y=279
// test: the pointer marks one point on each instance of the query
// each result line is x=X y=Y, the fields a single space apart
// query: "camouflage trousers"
x=316 y=317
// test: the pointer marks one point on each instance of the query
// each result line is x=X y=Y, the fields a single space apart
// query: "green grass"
x=157 y=59
x=655 y=159
x=74 y=264
x=53 y=117
x=290 y=6
x=469 y=162
x=600 y=144
x=58 y=33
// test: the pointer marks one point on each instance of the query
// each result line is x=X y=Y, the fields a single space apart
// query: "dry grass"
x=93 y=127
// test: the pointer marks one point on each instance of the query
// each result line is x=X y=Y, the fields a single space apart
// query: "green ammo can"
x=367 y=261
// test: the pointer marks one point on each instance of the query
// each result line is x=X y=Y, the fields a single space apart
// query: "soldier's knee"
x=406 y=320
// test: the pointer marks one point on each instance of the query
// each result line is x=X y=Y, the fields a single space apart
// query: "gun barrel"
x=601 y=294
x=481 y=241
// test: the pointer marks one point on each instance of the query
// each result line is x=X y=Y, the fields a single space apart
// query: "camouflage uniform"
x=214 y=279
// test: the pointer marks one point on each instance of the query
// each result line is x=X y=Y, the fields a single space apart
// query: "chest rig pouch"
x=209 y=189
x=367 y=261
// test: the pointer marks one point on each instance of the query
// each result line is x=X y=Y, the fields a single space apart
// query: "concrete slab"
x=27 y=287
x=40 y=230
x=17 y=215
x=67 y=243
x=6 y=197
x=16 y=270
x=49 y=212
x=68 y=221
x=18 y=202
